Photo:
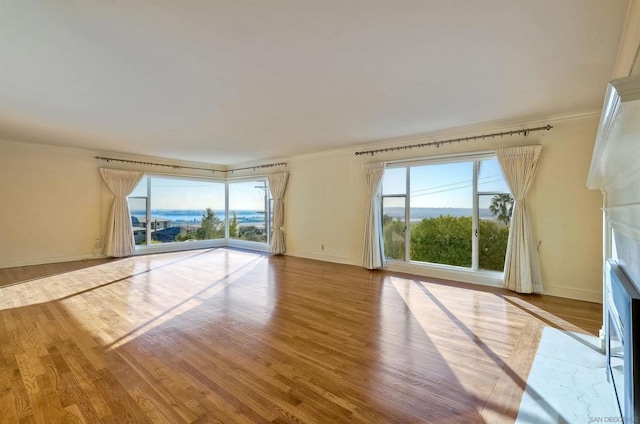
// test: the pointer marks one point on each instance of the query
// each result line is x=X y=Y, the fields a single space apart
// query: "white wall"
x=54 y=203
x=568 y=216
x=325 y=204
x=51 y=204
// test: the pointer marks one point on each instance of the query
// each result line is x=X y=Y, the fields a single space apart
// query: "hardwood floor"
x=228 y=336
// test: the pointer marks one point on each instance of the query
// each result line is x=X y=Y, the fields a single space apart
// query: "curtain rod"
x=268 y=165
x=137 y=162
x=524 y=131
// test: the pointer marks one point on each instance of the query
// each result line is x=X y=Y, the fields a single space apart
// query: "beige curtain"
x=119 y=240
x=373 y=256
x=521 y=268
x=277 y=186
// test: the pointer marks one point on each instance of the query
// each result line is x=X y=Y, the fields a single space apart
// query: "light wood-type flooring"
x=230 y=336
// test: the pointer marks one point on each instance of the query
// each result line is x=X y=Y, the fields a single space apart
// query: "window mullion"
x=226 y=212
x=475 y=219
x=407 y=217
x=267 y=213
x=148 y=214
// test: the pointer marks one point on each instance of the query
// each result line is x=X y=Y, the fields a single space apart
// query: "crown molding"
x=505 y=125
x=629 y=48
x=114 y=155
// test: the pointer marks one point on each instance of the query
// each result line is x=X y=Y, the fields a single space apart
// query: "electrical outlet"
x=97 y=246
x=322 y=247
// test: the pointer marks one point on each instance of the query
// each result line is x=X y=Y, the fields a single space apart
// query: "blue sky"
x=177 y=193
x=445 y=185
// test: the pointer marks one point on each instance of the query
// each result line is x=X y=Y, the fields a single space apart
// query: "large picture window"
x=452 y=212
x=172 y=210
x=181 y=209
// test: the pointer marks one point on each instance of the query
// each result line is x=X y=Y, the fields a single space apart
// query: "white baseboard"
x=48 y=260
x=586 y=295
x=322 y=257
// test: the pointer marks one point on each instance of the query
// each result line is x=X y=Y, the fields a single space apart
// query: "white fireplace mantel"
x=616 y=154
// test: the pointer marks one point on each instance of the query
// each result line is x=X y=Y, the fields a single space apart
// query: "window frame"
x=476 y=158
x=233 y=242
x=148 y=247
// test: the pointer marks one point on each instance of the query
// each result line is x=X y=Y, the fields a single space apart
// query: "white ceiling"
x=226 y=82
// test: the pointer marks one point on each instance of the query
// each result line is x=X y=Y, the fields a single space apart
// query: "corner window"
x=447 y=212
x=182 y=209
x=177 y=210
x=249 y=217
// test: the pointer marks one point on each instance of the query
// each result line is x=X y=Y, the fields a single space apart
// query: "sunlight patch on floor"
x=431 y=313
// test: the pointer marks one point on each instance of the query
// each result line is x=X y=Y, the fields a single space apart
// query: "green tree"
x=448 y=240
x=233 y=226
x=209 y=228
x=502 y=207
x=492 y=245
x=251 y=233
x=442 y=240
x=393 y=236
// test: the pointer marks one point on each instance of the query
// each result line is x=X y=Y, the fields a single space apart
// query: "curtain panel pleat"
x=278 y=186
x=373 y=255
x=521 y=268
x=119 y=240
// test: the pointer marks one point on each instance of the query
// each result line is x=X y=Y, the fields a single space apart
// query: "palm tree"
x=501 y=207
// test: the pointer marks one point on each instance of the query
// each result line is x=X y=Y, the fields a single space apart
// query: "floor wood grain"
x=229 y=336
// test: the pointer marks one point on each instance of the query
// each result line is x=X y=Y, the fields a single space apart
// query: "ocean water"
x=194 y=216
x=253 y=217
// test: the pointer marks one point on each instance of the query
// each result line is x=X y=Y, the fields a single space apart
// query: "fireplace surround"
x=622 y=330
